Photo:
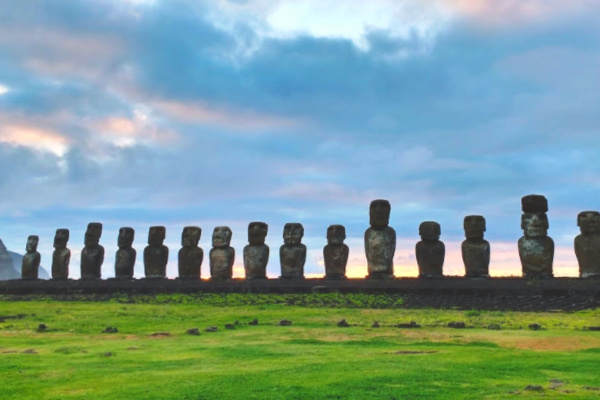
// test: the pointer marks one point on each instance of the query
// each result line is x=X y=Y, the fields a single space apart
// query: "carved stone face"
x=156 y=235
x=336 y=234
x=93 y=233
x=292 y=233
x=257 y=232
x=379 y=213
x=589 y=221
x=61 y=238
x=221 y=236
x=32 y=243
x=474 y=226
x=429 y=230
x=126 y=236
x=534 y=225
x=190 y=236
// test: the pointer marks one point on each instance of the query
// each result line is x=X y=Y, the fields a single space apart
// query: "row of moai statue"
x=536 y=249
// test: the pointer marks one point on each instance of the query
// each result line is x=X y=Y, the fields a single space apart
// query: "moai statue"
x=190 y=255
x=31 y=259
x=156 y=254
x=536 y=248
x=475 y=250
x=92 y=255
x=256 y=253
x=222 y=255
x=61 y=255
x=380 y=241
x=292 y=254
x=126 y=255
x=430 y=251
x=335 y=253
x=587 y=244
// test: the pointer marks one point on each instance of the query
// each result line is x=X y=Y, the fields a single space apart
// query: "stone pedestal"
x=335 y=253
x=126 y=255
x=156 y=254
x=31 y=259
x=587 y=244
x=222 y=256
x=380 y=241
x=475 y=249
x=536 y=248
x=430 y=251
x=190 y=255
x=92 y=255
x=292 y=254
x=61 y=256
x=256 y=253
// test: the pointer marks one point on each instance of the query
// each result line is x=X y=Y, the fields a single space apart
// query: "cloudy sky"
x=149 y=112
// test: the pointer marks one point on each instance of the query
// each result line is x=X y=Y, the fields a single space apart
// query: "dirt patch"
x=415 y=352
x=565 y=343
x=160 y=334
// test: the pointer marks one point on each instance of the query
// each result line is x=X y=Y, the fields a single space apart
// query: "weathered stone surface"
x=475 y=249
x=256 y=253
x=335 y=253
x=380 y=241
x=536 y=249
x=156 y=254
x=222 y=255
x=292 y=254
x=92 y=255
x=126 y=255
x=587 y=244
x=61 y=257
x=190 y=255
x=31 y=259
x=430 y=251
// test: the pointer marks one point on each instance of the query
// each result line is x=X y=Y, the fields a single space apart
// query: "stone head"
x=257 y=232
x=191 y=236
x=336 y=234
x=32 y=243
x=156 y=235
x=589 y=221
x=93 y=233
x=292 y=233
x=534 y=203
x=221 y=236
x=61 y=238
x=379 y=214
x=126 y=236
x=535 y=224
x=430 y=230
x=474 y=226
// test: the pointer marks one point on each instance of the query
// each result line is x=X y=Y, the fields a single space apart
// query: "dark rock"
x=534 y=388
x=190 y=255
x=375 y=324
x=380 y=241
x=256 y=253
x=456 y=325
x=253 y=322
x=343 y=324
x=535 y=327
x=193 y=331
x=593 y=328
x=42 y=328
x=108 y=354
x=222 y=255
x=110 y=329
x=126 y=255
x=160 y=334
x=335 y=253
x=494 y=327
x=211 y=329
x=156 y=254
x=285 y=322
x=594 y=388
x=292 y=254
x=229 y=326
x=410 y=325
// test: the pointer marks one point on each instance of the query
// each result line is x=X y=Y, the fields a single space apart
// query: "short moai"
x=475 y=249
x=587 y=244
x=380 y=241
x=92 y=255
x=61 y=255
x=222 y=255
x=190 y=255
x=256 y=253
x=156 y=254
x=335 y=253
x=126 y=255
x=31 y=259
x=430 y=251
x=292 y=254
x=536 y=248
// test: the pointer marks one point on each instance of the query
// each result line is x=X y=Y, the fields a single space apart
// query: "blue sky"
x=140 y=113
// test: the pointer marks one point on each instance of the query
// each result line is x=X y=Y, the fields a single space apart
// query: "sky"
x=148 y=112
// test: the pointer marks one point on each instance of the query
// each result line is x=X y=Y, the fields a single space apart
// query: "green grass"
x=311 y=359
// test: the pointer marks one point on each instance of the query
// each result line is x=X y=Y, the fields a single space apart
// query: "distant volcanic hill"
x=10 y=265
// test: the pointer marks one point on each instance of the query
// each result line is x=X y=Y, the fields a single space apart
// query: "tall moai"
x=380 y=241
x=126 y=255
x=92 y=255
x=430 y=251
x=292 y=254
x=475 y=249
x=190 y=255
x=256 y=253
x=31 y=259
x=156 y=254
x=222 y=255
x=587 y=244
x=61 y=255
x=536 y=248
x=335 y=253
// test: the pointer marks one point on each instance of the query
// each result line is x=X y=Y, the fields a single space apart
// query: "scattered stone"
x=456 y=325
x=535 y=327
x=593 y=328
x=534 y=388
x=229 y=326
x=108 y=354
x=42 y=328
x=253 y=322
x=285 y=322
x=160 y=334
x=193 y=331
x=211 y=329
x=411 y=324
x=591 y=388
x=110 y=329
x=375 y=324
x=494 y=327
x=30 y=351
x=343 y=324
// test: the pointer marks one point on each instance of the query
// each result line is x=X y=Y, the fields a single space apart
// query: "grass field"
x=152 y=357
